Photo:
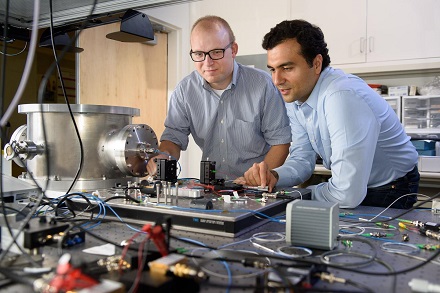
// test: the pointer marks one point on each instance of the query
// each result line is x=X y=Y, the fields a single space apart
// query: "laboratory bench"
x=429 y=181
x=365 y=263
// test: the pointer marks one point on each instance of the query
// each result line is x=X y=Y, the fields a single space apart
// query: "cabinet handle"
x=362 y=45
x=370 y=44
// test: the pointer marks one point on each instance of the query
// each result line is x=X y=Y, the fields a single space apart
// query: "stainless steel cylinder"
x=114 y=150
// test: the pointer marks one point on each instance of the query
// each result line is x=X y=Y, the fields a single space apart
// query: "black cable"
x=45 y=80
x=415 y=206
x=92 y=207
x=66 y=199
x=60 y=75
x=391 y=269
x=126 y=197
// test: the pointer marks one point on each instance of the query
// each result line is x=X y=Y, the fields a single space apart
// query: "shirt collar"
x=233 y=82
x=312 y=100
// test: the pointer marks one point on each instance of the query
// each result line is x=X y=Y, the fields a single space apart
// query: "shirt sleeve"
x=354 y=132
x=177 y=123
x=302 y=158
x=275 y=123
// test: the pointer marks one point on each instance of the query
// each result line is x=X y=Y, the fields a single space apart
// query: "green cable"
x=345 y=214
x=378 y=235
x=428 y=246
x=181 y=250
x=385 y=225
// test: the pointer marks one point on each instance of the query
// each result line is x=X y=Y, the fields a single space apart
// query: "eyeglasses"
x=215 y=54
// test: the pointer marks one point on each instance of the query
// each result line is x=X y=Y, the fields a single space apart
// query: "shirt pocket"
x=248 y=137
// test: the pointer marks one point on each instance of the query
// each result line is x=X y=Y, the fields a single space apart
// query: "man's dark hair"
x=309 y=36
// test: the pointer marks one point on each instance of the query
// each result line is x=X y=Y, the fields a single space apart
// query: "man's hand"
x=167 y=150
x=260 y=175
x=152 y=165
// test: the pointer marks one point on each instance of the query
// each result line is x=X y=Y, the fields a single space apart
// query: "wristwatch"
x=275 y=174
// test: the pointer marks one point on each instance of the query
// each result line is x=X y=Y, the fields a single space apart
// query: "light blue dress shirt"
x=234 y=130
x=357 y=134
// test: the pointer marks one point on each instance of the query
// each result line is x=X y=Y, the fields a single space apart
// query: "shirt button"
x=223 y=159
x=221 y=121
x=221 y=102
x=223 y=140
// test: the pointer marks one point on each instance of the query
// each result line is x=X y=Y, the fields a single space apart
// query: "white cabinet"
x=402 y=29
x=375 y=31
x=375 y=34
x=343 y=23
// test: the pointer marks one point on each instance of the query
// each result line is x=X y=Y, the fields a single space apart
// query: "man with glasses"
x=234 y=113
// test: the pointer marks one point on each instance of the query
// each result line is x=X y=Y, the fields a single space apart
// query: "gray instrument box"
x=312 y=224
x=17 y=190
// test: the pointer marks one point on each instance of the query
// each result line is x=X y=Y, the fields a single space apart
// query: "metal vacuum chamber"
x=114 y=150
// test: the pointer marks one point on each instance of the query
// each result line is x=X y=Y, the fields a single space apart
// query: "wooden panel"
x=124 y=74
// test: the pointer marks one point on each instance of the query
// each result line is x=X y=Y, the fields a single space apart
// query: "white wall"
x=250 y=20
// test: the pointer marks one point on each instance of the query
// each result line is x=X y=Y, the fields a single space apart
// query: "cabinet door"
x=343 y=23
x=403 y=30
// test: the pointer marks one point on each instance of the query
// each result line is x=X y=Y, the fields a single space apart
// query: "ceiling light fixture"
x=135 y=27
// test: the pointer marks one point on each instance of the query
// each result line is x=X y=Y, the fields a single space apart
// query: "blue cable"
x=101 y=210
x=229 y=276
x=117 y=216
x=192 y=240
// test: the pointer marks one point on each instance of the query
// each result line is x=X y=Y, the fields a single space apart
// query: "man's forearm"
x=277 y=155
x=171 y=148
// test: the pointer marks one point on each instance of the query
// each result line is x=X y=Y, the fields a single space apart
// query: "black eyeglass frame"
x=208 y=53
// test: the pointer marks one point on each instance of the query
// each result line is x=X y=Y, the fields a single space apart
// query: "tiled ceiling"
x=71 y=11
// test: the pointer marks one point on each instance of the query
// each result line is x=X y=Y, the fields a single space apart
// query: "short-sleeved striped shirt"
x=236 y=129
